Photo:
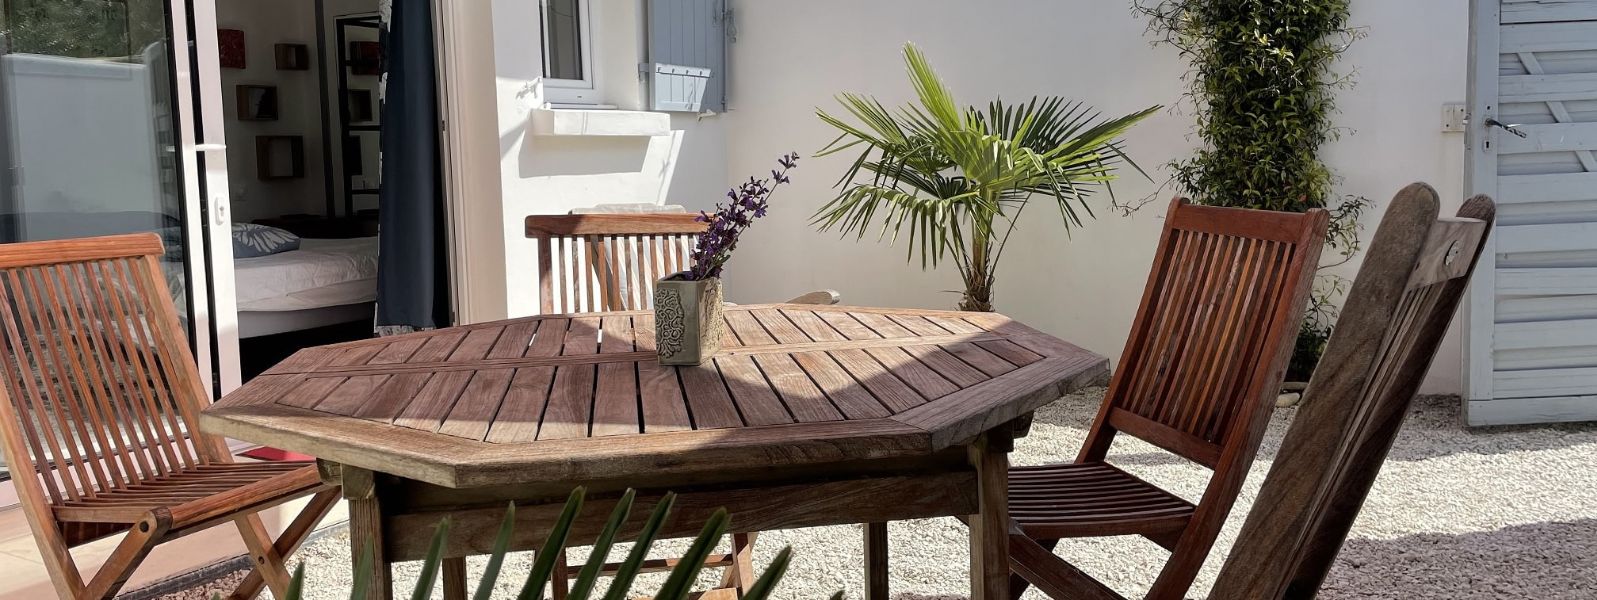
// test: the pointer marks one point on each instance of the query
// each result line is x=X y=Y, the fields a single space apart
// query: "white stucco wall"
x=792 y=57
x=554 y=174
x=265 y=26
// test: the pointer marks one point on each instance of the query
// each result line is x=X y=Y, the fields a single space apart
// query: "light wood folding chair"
x=97 y=414
x=601 y=262
x=1198 y=377
x=1396 y=314
x=610 y=262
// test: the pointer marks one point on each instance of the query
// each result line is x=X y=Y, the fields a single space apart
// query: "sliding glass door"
x=105 y=110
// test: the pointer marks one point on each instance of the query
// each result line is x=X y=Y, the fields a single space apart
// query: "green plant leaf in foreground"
x=544 y=564
x=296 y=585
x=363 y=569
x=496 y=559
x=429 y=567
x=680 y=583
x=762 y=587
x=628 y=572
x=589 y=575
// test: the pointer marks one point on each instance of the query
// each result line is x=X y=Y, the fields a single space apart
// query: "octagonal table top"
x=582 y=397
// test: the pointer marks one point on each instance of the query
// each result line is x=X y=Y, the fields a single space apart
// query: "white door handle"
x=210 y=147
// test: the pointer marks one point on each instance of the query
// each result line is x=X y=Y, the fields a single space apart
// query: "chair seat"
x=1091 y=499
x=196 y=495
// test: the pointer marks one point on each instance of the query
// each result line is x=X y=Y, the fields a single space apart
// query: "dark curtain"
x=412 y=270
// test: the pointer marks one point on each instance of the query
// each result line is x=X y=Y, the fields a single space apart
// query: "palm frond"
x=952 y=180
x=496 y=558
x=588 y=576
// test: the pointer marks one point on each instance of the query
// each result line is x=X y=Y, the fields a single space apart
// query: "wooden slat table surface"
x=545 y=398
x=801 y=401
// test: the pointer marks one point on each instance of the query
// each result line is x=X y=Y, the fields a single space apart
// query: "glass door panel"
x=97 y=137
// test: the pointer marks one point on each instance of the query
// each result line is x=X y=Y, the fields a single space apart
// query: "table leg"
x=876 y=561
x=455 y=578
x=366 y=531
x=989 y=529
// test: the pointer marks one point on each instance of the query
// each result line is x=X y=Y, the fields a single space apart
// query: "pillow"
x=253 y=241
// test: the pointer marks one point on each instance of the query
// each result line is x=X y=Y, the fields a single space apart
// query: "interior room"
x=300 y=85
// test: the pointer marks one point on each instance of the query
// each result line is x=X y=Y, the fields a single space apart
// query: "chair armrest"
x=820 y=297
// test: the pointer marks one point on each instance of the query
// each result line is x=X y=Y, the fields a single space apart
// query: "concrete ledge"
x=567 y=121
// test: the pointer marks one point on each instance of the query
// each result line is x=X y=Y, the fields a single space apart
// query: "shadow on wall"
x=544 y=156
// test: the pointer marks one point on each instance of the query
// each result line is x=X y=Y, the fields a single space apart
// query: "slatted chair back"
x=1211 y=339
x=601 y=262
x=1399 y=308
x=100 y=389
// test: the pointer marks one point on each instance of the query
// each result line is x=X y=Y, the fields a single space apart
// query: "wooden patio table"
x=809 y=416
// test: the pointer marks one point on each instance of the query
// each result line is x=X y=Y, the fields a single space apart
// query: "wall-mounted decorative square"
x=293 y=57
x=279 y=157
x=230 y=47
x=354 y=157
x=365 y=58
x=360 y=106
x=257 y=103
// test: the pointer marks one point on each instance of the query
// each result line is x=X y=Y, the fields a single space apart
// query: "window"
x=567 y=52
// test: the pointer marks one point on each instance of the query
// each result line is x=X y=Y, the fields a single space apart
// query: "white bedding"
x=319 y=274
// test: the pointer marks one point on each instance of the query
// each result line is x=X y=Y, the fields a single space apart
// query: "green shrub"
x=1262 y=83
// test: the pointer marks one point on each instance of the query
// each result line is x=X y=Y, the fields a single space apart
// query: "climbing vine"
x=1262 y=84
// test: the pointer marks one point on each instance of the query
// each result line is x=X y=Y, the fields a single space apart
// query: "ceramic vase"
x=687 y=319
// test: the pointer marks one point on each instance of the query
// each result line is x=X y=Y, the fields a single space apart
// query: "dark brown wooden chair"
x=98 y=416
x=1399 y=308
x=1201 y=370
x=601 y=262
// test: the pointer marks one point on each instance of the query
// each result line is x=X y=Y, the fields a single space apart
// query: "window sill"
x=567 y=121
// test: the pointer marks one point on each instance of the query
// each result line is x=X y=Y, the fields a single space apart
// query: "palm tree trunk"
x=978 y=279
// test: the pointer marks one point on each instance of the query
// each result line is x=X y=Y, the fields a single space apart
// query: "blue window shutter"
x=687 y=33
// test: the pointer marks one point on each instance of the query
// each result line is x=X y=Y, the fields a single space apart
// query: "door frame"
x=1480 y=177
x=210 y=219
x=8 y=188
x=469 y=136
x=208 y=210
x=209 y=292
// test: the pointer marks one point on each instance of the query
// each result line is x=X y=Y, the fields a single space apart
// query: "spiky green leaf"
x=621 y=586
x=680 y=582
x=429 y=566
x=544 y=564
x=496 y=558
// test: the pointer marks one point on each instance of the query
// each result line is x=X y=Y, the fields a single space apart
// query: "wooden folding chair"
x=1399 y=308
x=101 y=396
x=601 y=262
x=609 y=262
x=1198 y=377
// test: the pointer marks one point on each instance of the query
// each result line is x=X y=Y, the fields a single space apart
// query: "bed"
x=324 y=282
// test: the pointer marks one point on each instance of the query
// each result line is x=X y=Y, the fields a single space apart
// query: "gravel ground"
x=1499 y=513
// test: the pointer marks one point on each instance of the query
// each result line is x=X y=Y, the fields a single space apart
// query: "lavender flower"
x=746 y=202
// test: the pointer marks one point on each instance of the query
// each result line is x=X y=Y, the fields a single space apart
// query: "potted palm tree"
x=953 y=180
